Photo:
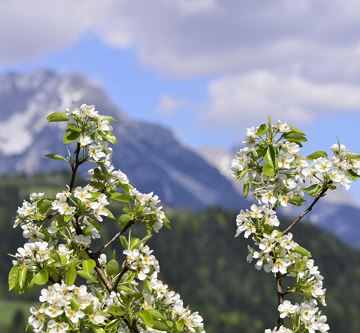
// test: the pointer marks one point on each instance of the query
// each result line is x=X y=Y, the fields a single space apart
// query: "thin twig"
x=280 y=296
x=118 y=279
x=307 y=211
x=113 y=239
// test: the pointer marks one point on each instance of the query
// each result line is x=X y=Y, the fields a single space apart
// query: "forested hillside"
x=201 y=259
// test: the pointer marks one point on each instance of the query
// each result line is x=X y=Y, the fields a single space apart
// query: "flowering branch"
x=58 y=252
x=274 y=171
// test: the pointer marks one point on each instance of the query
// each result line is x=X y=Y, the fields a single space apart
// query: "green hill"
x=201 y=259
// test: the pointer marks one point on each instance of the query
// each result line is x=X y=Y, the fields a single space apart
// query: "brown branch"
x=100 y=272
x=95 y=256
x=122 y=273
x=307 y=211
x=113 y=239
x=280 y=296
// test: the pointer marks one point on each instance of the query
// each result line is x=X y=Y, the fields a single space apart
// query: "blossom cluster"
x=65 y=308
x=58 y=252
x=163 y=297
x=142 y=261
x=276 y=173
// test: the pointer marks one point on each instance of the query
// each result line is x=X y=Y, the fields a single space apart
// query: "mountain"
x=336 y=213
x=148 y=153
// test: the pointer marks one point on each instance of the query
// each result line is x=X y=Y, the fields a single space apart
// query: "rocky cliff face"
x=148 y=153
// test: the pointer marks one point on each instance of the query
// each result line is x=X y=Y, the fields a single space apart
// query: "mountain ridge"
x=147 y=152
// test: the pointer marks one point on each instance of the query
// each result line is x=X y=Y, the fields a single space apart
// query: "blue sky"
x=205 y=68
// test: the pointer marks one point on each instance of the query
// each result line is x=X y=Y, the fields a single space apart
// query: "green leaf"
x=262 y=129
x=295 y=137
x=109 y=118
x=85 y=275
x=88 y=265
x=57 y=116
x=13 y=277
x=74 y=305
x=55 y=156
x=68 y=218
x=160 y=326
x=270 y=156
x=120 y=197
x=110 y=137
x=70 y=276
x=313 y=189
x=116 y=311
x=124 y=219
x=270 y=162
x=352 y=175
x=317 y=154
x=156 y=314
x=296 y=130
x=180 y=325
x=268 y=170
x=147 y=318
x=22 y=277
x=74 y=128
x=134 y=242
x=300 y=265
x=98 y=330
x=299 y=249
x=108 y=213
x=44 y=206
x=112 y=267
x=296 y=200
x=246 y=187
x=71 y=136
x=353 y=156
x=242 y=174
x=124 y=242
x=41 y=278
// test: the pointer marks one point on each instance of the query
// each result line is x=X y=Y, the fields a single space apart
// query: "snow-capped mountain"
x=336 y=213
x=148 y=153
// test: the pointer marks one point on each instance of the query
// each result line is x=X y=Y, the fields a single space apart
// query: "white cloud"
x=196 y=37
x=240 y=100
x=31 y=29
x=168 y=105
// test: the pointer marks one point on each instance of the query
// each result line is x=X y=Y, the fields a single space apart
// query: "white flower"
x=85 y=140
x=281 y=264
x=37 y=319
x=291 y=147
x=268 y=242
x=256 y=211
x=120 y=177
x=283 y=126
x=268 y=196
x=96 y=152
x=82 y=240
x=63 y=208
x=97 y=318
x=336 y=148
x=287 y=308
x=88 y=111
x=102 y=259
x=64 y=251
x=26 y=209
x=36 y=196
x=57 y=327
